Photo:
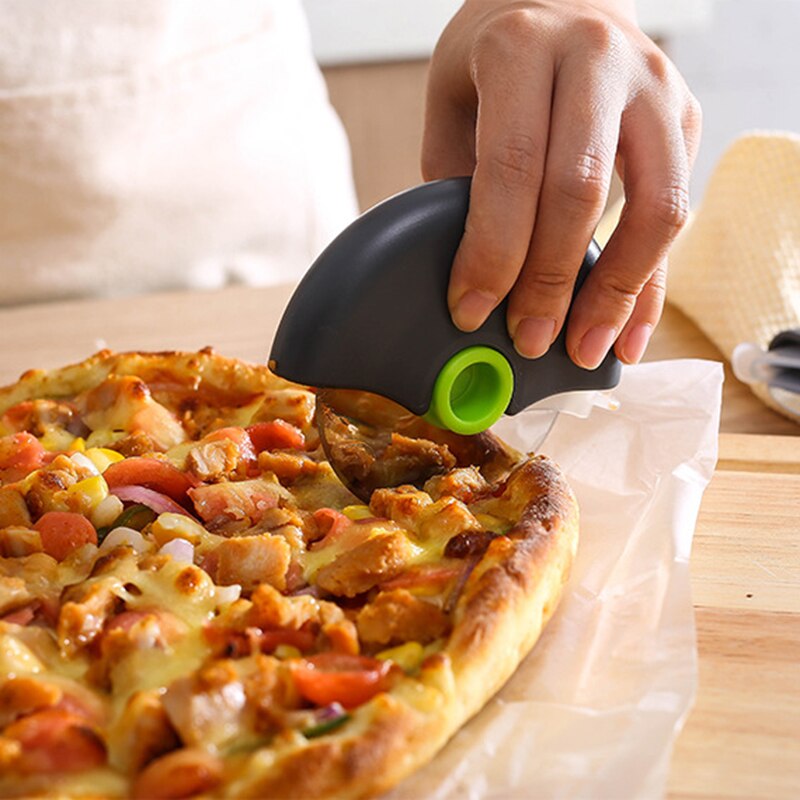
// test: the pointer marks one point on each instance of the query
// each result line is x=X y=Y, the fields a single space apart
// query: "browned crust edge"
x=188 y=368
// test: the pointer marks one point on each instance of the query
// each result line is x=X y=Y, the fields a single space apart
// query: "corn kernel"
x=285 y=651
x=407 y=656
x=103 y=437
x=357 y=512
x=91 y=491
x=78 y=444
x=56 y=439
x=169 y=526
x=102 y=457
x=25 y=484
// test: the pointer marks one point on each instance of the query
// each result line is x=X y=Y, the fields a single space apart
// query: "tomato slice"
x=276 y=435
x=16 y=416
x=150 y=472
x=341 y=678
x=55 y=740
x=303 y=640
x=331 y=523
x=21 y=452
x=429 y=577
x=239 y=436
x=62 y=532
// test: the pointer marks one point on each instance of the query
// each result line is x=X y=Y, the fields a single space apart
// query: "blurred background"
x=740 y=57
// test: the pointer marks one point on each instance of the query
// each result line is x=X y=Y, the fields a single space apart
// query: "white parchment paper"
x=595 y=708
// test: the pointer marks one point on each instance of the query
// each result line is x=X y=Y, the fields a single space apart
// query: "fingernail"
x=595 y=344
x=636 y=343
x=534 y=335
x=472 y=309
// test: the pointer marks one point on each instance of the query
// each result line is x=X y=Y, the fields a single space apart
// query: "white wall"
x=351 y=31
x=744 y=68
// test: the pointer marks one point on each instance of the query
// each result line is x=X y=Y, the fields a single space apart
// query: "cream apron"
x=157 y=144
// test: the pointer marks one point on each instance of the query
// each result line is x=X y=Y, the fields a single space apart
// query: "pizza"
x=193 y=603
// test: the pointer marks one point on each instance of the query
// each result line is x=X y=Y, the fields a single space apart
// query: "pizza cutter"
x=371 y=314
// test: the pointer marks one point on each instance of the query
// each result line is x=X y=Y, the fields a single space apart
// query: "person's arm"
x=538 y=101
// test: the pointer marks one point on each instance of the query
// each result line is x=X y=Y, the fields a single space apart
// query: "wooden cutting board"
x=742 y=739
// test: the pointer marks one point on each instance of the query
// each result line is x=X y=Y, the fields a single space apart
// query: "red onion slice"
x=180 y=550
x=158 y=502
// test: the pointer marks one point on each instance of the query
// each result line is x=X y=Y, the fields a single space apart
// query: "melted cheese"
x=314 y=560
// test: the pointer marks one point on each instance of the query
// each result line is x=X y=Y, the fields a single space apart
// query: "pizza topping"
x=131 y=631
x=54 y=740
x=207 y=708
x=13 y=510
x=20 y=696
x=142 y=496
x=327 y=719
x=469 y=543
x=231 y=506
x=184 y=773
x=20 y=454
x=62 y=532
x=357 y=570
x=213 y=461
x=41 y=416
x=407 y=656
x=289 y=467
x=426 y=579
x=152 y=473
x=398 y=616
x=366 y=458
x=124 y=403
x=276 y=435
x=465 y=484
x=271 y=693
x=124 y=536
x=249 y=561
x=179 y=550
x=142 y=733
x=338 y=678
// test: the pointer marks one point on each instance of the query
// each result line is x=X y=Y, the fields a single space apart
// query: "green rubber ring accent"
x=472 y=391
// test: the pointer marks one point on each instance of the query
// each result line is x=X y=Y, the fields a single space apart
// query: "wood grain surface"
x=742 y=739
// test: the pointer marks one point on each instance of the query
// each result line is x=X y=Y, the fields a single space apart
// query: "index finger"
x=514 y=96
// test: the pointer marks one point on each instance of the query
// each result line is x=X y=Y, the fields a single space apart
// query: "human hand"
x=537 y=101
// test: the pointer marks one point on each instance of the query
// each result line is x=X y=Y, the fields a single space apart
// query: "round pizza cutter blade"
x=371 y=314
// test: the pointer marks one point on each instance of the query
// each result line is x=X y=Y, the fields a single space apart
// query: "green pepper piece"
x=325 y=727
x=136 y=516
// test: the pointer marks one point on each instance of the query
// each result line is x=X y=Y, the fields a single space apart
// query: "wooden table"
x=742 y=739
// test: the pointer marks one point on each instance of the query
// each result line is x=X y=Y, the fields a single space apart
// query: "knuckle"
x=658 y=65
x=491 y=264
x=548 y=283
x=515 y=162
x=692 y=116
x=585 y=183
x=670 y=210
x=515 y=25
x=600 y=36
x=657 y=285
x=503 y=35
x=620 y=292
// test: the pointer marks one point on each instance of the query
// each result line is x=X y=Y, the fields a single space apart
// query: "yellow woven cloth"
x=735 y=270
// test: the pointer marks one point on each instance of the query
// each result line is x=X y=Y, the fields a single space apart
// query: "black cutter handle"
x=371 y=313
